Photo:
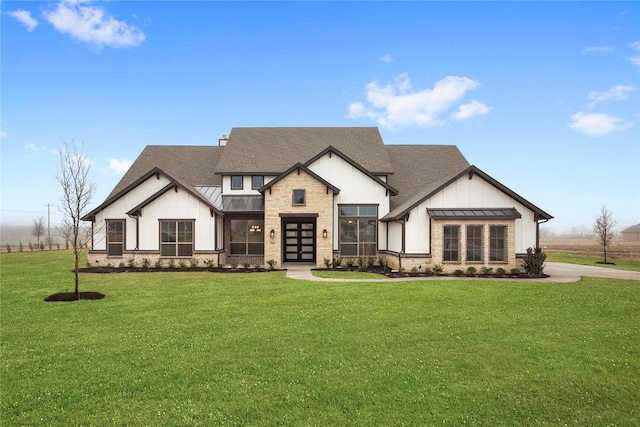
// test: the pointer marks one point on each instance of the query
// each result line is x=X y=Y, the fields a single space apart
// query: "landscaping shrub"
x=131 y=262
x=515 y=271
x=327 y=262
x=158 y=263
x=533 y=262
x=471 y=271
x=271 y=263
x=437 y=269
x=337 y=262
x=172 y=263
x=182 y=263
x=486 y=270
x=458 y=273
x=193 y=262
x=146 y=262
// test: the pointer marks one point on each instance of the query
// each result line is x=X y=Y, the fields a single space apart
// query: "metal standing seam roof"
x=243 y=203
x=480 y=213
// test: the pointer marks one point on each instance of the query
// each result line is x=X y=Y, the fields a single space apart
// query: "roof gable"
x=436 y=186
x=332 y=150
x=299 y=166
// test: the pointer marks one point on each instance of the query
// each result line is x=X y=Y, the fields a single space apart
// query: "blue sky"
x=542 y=96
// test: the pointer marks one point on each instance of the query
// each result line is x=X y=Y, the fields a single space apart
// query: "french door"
x=299 y=241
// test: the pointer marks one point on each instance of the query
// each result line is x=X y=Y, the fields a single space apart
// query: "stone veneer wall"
x=279 y=200
x=423 y=261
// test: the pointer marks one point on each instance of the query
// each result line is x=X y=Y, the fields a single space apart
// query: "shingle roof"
x=192 y=165
x=632 y=229
x=418 y=166
x=274 y=149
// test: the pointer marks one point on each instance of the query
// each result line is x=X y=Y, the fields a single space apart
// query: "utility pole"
x=49 y=224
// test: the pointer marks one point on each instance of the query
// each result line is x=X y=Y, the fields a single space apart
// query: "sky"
x=542 y=96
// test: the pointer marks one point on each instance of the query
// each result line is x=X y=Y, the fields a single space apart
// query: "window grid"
x=358 y=230
x=115 y=237
x=257 y=182
x=498 y=243
x=475 y=243
x=176 y=238
x=451 y=243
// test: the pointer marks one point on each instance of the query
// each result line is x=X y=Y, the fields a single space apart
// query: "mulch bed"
x=71 y=296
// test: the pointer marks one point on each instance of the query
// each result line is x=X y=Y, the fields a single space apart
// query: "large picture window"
x=176 y=238
x=115 y=237
x=498 y=243
x=475 y=248
x=247 y=237
x=358 y=230
x=451 y=244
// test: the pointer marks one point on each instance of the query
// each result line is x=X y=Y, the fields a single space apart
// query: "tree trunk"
x=77 y=289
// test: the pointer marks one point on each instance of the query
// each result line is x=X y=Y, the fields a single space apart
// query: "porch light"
x=272 y=233
x=324 y=233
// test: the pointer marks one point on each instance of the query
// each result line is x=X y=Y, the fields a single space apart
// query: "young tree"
x=78 y=190
x=604 y=229
x=38 y=228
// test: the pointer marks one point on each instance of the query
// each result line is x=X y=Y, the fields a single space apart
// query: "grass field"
x=260 y=349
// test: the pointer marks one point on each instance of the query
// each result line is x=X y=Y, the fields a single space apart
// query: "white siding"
x=171 y=205
x=119 y=209
x=468 y=193
x=395 y=236
x=246 y=185
x=355 y=188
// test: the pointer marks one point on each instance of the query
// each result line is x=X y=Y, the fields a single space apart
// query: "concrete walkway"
x=559 y=272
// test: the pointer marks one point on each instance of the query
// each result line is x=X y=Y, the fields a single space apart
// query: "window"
x=475 y=248
x=247 y=237
x=299 y=197
x=498 y=243
x=176 y=238
x=115 y=237
x=257 y=182
x=236 y=182
x=358 y=230
x=451 y=244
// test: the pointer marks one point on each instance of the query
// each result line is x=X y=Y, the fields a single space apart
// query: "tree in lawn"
x=604 y=229
x=77 y=192
x=38 y=228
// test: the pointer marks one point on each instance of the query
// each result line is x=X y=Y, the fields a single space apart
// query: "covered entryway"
x=299 y=237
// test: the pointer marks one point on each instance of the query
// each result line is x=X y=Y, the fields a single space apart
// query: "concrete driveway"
x=563 y=272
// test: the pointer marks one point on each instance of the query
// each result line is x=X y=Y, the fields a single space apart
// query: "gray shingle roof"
x=192 y=165
x=273 y=150
x=417 y=166
x=632 y=229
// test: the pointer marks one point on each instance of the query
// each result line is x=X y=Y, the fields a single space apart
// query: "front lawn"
x=202 y=348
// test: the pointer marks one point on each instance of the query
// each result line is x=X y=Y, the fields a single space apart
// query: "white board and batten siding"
x=467 y=193
x=119 y=209
x=355 y=188
x=171 y=205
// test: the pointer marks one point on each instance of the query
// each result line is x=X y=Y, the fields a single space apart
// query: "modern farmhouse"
x=303 y=195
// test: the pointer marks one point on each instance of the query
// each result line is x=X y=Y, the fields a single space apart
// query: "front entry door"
x=300 y=241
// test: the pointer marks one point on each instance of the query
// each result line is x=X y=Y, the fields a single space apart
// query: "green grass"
x=260 y=349
x=620 y=264
x=352 y=275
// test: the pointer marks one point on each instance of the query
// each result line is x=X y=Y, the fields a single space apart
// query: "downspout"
x=538 y=231
x=402 y=249
x=137 y=233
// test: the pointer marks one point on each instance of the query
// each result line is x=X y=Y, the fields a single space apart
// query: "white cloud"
x=596 y=49
x=3 y=134
x=25 y=18
x=397 y=104
x=474 y=108
x=119 y=166
x=635 y=59
x=93 y=25
x=616 y=93
x=596 y=124
x=36 y=149
x=386 y=58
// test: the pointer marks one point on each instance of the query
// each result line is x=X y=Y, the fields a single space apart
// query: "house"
x=631 y=234
x=308 y=194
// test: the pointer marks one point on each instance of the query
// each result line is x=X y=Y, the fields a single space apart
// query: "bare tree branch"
x=77 y=193
x=604 y=229
x=38 y=228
